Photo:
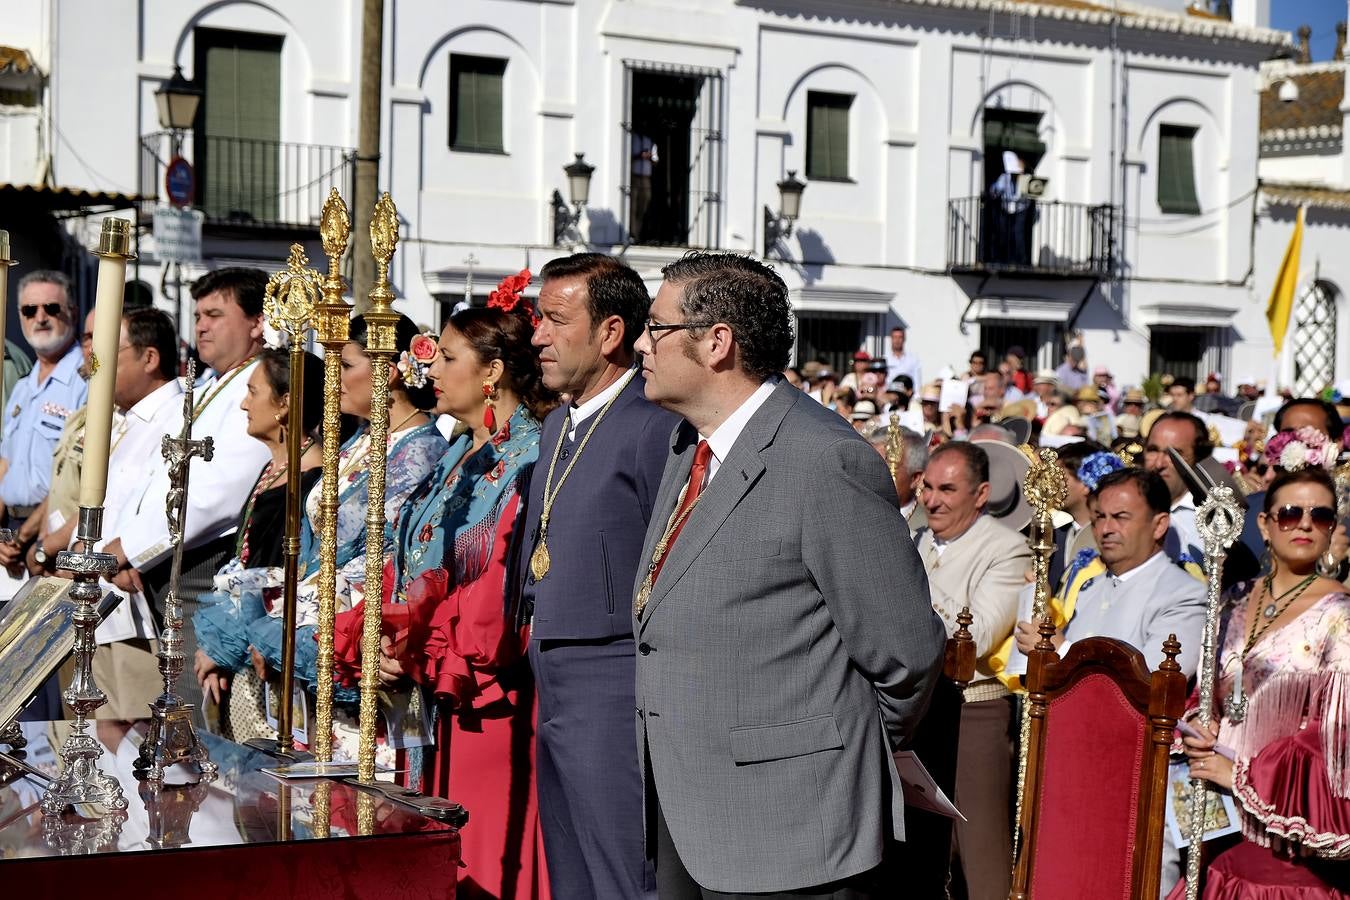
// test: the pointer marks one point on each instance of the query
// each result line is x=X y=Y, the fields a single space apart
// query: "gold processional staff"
x=1046 y=490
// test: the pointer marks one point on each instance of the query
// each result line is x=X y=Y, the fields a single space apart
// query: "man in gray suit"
x=1144 y=596
x=776 y=669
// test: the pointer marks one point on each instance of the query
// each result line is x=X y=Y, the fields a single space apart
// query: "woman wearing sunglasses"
x=1282 y=742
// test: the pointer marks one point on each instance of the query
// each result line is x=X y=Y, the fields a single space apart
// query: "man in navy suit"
x=590 y=501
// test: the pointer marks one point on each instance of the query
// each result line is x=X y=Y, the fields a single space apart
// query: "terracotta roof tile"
x=1311 y=194
x=1318 y=103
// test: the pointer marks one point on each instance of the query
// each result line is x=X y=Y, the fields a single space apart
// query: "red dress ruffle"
x=458 y=641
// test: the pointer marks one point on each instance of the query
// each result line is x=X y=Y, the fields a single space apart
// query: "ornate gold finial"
x=292 y=294
x=1045 y=485
x=335 y=228
x=1129 y=453
x=383 y=241
x=895 y=446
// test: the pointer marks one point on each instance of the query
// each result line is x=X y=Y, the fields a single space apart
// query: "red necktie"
x=698 y=474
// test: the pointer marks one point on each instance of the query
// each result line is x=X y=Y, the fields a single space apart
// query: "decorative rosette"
x=1294 y=450
x=509 y=296
x=1097 y=466
x=414 y=362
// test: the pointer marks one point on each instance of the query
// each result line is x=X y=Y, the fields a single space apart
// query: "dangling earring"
x=489 y=412
x=281 y=423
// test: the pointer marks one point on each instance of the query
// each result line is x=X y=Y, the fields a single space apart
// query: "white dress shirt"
x=136 y=469
x=724 y=438
x=579 y=413
x=217 y=489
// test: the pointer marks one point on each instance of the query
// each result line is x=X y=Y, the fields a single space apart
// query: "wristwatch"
x=40 y=556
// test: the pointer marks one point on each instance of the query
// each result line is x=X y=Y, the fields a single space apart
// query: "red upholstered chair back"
x=1092 y=814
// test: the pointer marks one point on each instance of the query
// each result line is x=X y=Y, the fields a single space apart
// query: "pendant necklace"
x=539 y=559
x=1235 y=707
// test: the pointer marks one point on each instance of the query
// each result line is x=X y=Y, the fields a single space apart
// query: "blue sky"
x=1322 y=15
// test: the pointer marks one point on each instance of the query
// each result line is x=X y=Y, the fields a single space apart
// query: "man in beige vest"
x=974 y=561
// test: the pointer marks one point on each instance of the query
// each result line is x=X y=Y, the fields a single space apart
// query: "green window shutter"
x=827 y=135
x=1176 y=170
x=238 y=154
x=476 y=103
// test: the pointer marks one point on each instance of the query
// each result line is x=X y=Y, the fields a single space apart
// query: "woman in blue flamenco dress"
x=237 y=624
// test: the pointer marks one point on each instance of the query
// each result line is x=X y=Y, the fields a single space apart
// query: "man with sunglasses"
x=37 y=410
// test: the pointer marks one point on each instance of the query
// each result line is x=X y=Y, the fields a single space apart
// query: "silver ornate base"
x=82 y=785
x=172 y=740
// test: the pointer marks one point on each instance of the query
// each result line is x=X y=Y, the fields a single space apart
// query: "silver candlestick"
x=173 y=738
x=82 y=784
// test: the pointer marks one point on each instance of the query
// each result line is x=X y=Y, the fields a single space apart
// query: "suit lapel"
x=682 y=443
x=737 y=474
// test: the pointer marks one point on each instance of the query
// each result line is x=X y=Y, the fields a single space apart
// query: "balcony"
x=248 y=187
x=1030 y=239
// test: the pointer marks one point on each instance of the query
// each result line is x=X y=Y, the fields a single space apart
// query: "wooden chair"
x=1096 y=782
x=923 y=862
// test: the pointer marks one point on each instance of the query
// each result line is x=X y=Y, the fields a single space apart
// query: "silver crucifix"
x=172 y=738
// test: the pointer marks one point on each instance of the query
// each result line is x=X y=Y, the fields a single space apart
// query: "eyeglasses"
x=52 y=309
x=654 y=330
x=1290 y=517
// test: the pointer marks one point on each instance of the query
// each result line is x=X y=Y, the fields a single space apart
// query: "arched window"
x=1315 y=339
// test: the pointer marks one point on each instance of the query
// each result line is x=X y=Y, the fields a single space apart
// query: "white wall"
x=920 y=75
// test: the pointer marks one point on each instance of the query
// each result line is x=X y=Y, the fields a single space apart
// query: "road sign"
x=179 y=181
x=178 y=234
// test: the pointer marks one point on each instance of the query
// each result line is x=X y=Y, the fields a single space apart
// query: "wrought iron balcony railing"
x=241 y=182
x=989 y=235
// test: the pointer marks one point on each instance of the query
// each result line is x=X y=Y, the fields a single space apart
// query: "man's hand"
x=1027 y=637
x=11 y=554
x=129 y=580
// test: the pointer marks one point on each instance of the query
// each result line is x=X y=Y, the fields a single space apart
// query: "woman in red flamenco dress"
x=1287 y=645
x=448 y=622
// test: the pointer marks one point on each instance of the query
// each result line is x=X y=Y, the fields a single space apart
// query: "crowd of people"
x=653 y=610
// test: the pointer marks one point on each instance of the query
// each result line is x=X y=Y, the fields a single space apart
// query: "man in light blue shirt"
x=36 y=411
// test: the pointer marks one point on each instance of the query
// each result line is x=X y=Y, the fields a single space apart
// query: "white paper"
x=921 y=791
x=1230 y=430
x=299 y=712
x=954 y=393
x=1055 y=441
x=1017 y=660
x=1221 y=814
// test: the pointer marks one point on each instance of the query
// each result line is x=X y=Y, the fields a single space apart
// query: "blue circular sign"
x=179 y=181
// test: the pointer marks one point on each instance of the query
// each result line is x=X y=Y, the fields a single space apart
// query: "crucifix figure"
x=172 y=738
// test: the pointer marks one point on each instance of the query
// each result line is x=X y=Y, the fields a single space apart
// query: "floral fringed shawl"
x=1292 y=772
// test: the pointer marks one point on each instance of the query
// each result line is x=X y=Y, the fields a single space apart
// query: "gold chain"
x=659 y=551
x=539 y=559
x=206 y=401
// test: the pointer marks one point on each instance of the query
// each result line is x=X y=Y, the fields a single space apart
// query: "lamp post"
x=578 y=173
x=778 y=225
x=176 y=101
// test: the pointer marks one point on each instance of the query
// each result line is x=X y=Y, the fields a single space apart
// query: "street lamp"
x=177 y=100
x=578 y=173
x=779 y=224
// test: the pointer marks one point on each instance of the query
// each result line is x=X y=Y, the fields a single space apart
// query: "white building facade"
x=1143 y=122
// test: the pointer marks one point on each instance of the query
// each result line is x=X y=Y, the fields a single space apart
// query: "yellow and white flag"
x=1281 y=305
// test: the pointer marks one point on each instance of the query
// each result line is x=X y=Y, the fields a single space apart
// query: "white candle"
x=5 y=263
x=114 y=249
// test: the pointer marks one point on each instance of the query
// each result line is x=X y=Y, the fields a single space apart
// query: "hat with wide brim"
x=1008 y=467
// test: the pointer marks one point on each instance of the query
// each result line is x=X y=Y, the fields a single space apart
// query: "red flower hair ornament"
x=509 y=296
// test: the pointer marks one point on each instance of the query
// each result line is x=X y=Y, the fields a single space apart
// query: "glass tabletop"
x=243 y=806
